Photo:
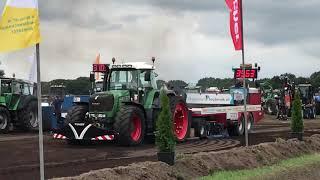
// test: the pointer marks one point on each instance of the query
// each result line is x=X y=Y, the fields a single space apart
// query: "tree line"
x=79 y=86
x=82 y=85
x=275 y=81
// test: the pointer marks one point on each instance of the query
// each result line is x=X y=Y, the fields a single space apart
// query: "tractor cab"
x=137 y=78
x=308 y=102
x=57 y=91
x=306 y=92
x=12 y=89
x=18 y=106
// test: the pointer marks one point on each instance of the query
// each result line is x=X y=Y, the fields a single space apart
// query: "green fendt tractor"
x=125 y=110
x=18 y=105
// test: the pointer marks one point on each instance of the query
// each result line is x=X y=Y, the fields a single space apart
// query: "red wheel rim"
x=180 y=119
x=136 y=132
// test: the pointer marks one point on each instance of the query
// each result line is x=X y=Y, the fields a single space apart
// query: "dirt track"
x=19 y=152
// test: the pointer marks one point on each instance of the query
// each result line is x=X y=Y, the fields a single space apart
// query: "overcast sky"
x=189 y=38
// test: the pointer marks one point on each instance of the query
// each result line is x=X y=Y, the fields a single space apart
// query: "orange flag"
x=97 y=61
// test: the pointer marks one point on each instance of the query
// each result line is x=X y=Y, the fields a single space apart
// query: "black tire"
x=174 y=101
x=76 y=114
x=268 y=109
x=29 y=116
x=314 y=116
x=251 y=121
x=237 y=129
x=200 y=129
x=231 y=130
x=4 y=120
x=124 y=125
x=271 y=108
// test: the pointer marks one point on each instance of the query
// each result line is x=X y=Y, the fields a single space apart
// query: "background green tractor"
x=18 y=105
x=269 y=103
x=128 y=105
x=307 y=93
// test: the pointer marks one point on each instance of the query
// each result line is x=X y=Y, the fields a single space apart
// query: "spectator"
x=57 y=103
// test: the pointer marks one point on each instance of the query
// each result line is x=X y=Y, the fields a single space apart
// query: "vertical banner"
x=19 y=25
x=235 y=23
x=33 y=69
x=97 y=61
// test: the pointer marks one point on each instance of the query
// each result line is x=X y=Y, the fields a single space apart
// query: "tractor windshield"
x=304 y=91
x=6 y=86
x=123 y=79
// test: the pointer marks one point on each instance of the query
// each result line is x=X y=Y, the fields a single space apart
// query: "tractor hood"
x=106 y=101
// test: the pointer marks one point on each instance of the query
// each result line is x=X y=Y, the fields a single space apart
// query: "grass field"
x=295 y=168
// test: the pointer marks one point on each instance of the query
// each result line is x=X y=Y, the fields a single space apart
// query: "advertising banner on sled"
x=218 y=99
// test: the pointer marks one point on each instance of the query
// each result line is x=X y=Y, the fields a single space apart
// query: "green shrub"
x=297 y=121
x=165 y=140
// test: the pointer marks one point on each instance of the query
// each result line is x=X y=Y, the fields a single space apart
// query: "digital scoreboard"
x=247 y=73
x=100 y=68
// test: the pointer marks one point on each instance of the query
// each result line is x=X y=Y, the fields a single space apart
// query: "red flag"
x=235 y=23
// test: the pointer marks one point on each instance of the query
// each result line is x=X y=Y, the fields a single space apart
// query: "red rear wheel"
x=180 y=118
x=136 y=128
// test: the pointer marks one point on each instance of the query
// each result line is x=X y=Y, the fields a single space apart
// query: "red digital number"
x=102 y=68
x=95 y=67
x=253 y=73
x=247 y=73
x=238 y=73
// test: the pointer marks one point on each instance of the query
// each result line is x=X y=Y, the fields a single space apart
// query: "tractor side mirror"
x=92 y=78
x=147 y=76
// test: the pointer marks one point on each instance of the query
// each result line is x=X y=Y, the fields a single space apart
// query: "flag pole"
x=244 y=80
x=41 y=156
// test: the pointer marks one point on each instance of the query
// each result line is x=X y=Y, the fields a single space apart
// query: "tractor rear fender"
x=24 y=101
x=150 y=99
